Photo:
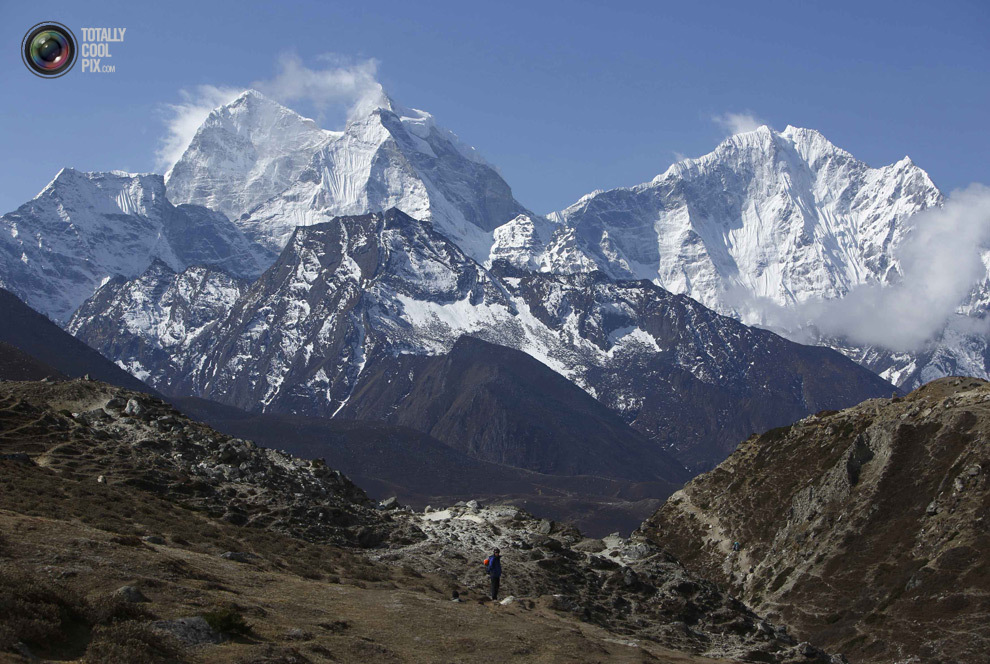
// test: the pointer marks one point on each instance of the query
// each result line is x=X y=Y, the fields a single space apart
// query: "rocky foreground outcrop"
x=115 y=436
x=181 y=491
x=865 y=530
x=631 y=587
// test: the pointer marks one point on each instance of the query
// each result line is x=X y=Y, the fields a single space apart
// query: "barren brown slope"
x=101 y=487
x=304 y=603
x=864 y=530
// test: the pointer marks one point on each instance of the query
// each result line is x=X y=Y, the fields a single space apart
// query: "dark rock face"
x=864 y=529
x=40 y=343
x=704 y=382
x=357 y=295
x=388 y=460
x=501 y=405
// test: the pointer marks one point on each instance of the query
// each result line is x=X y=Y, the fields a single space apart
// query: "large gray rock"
x=192 y=631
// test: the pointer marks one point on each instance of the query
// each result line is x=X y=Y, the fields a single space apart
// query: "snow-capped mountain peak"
x=783 y=216
x=244 y=153
x=421 y=124
x=85 y=228
x=270 y=170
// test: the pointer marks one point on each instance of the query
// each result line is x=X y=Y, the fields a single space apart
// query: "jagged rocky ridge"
x=165 y=312
x=348 y=298
x=86 y=431
x=865 y=530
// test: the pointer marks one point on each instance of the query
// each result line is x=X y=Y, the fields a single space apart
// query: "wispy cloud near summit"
x=183 y=119
x=353 y=85
x=738 y=123
x=339 y=84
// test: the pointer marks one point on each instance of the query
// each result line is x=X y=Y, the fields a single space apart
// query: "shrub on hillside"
x=36 y=611
x=128 y=642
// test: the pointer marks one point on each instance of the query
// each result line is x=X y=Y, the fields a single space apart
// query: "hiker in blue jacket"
x=493 y=564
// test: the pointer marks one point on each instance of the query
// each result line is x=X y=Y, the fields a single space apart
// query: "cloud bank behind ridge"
x=941 y=261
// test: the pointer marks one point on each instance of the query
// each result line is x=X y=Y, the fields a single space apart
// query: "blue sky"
x=563 y=97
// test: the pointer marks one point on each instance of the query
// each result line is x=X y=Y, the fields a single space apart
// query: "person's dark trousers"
x=495 y=581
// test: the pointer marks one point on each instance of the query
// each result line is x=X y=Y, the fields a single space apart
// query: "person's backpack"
x=487 y=560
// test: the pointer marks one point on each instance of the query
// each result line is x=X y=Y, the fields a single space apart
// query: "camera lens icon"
x=49 y=49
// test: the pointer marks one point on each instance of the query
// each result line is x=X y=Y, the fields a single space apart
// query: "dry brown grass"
x=303 y=602
x=130 y=642
x=37 y=611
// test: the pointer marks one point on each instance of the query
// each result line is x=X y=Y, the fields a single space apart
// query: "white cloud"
x=183 y=119
x=349 y=85
x=354 y=85
x=738 y=123
x=941 y=260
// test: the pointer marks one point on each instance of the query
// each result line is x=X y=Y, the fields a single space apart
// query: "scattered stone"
x=115 y=404
x=134 y=408
x=297 y=634
x=234 y=517
x=101 y=479
x=389 y=504
x=508 y=600
x=473 y=505
x=153 y=539
x=130 y=594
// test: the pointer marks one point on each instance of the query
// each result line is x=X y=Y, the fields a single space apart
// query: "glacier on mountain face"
x=784 y=216
x=243 y=154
